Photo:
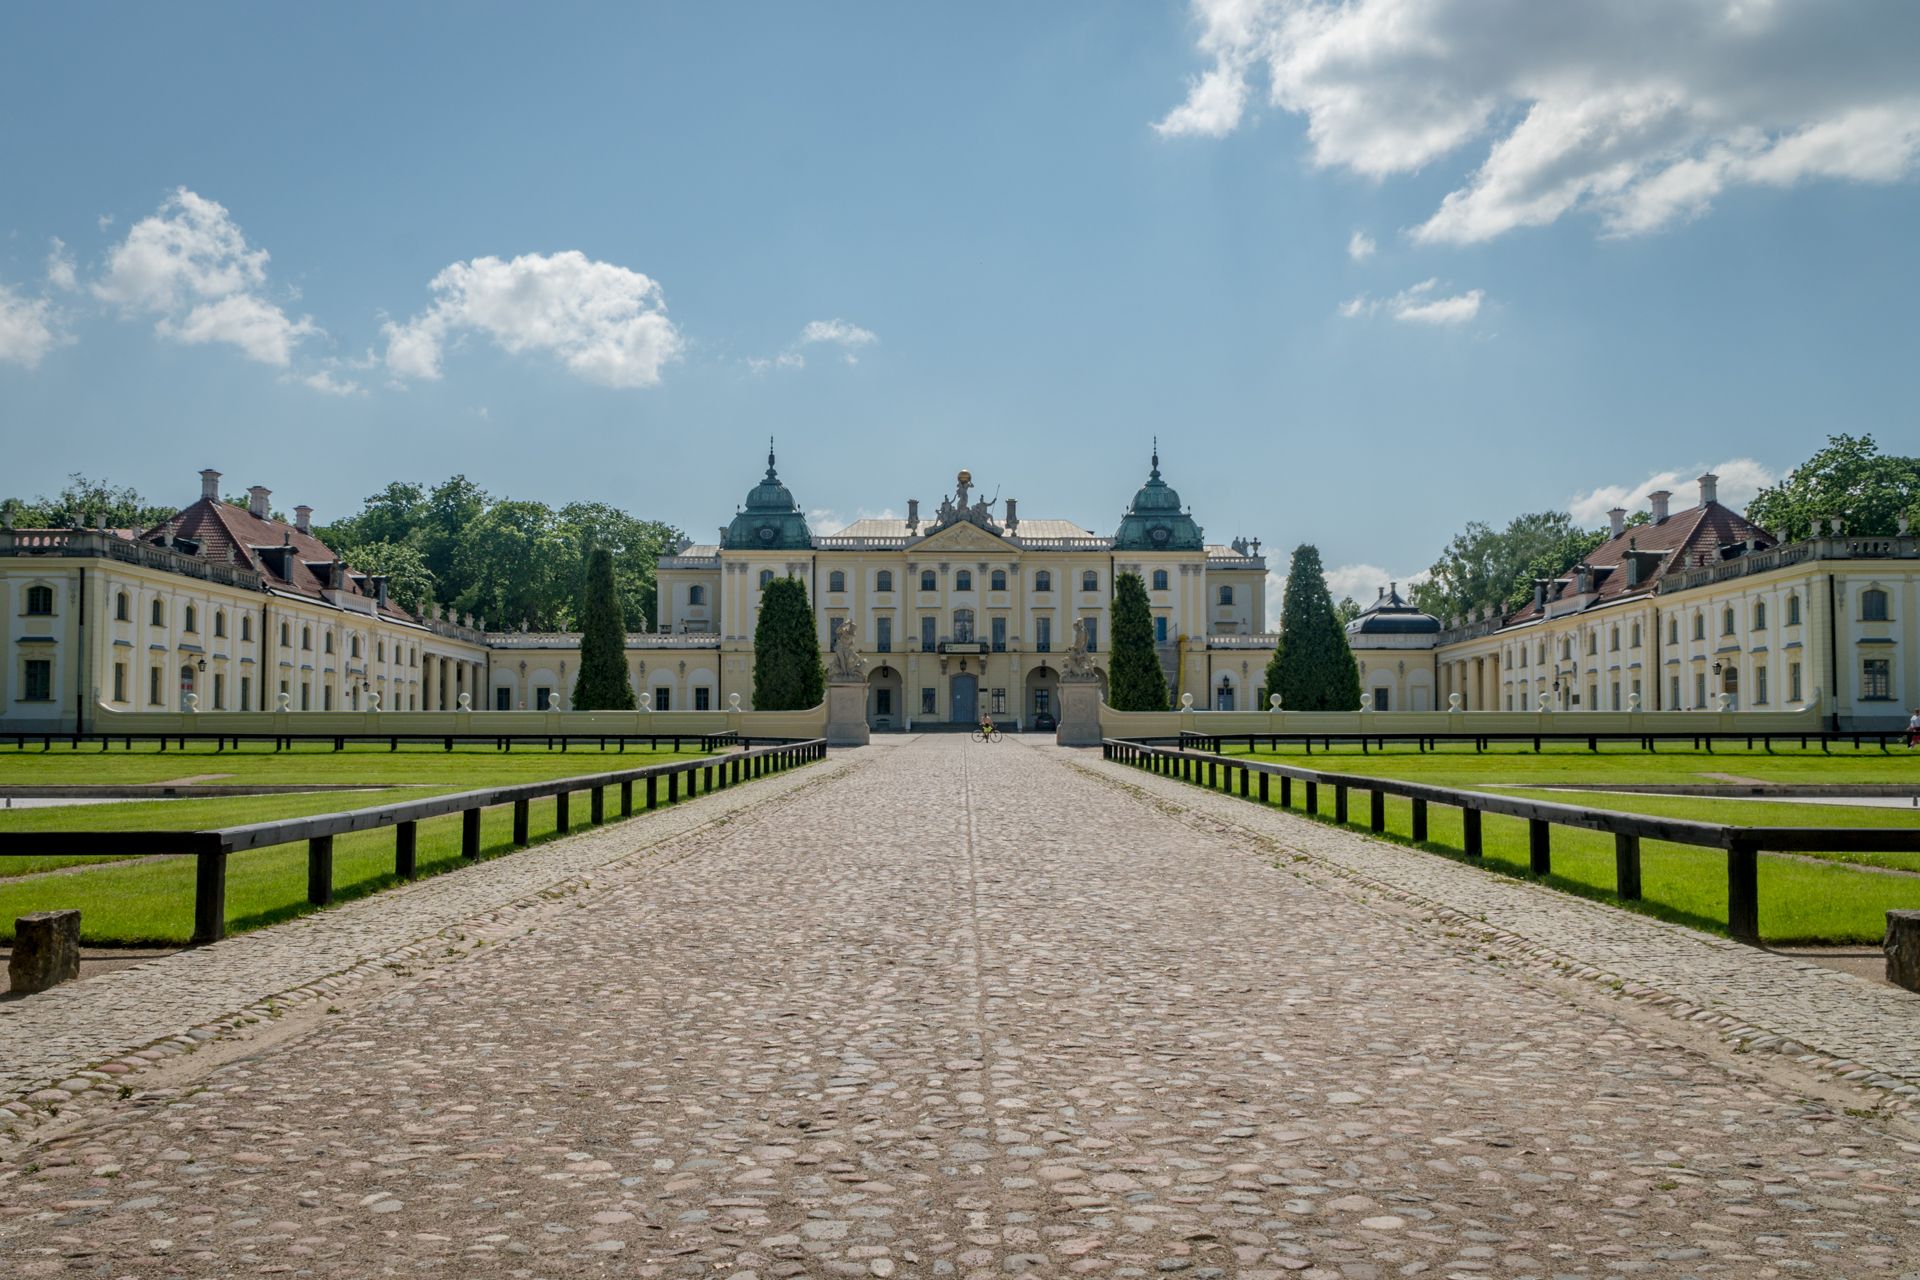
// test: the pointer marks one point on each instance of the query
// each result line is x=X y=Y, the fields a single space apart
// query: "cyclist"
x=987 y=731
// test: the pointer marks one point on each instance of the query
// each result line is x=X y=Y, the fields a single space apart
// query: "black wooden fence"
x=660 y=782
x=285 y=741
x=1253 y=779
x=1699 y=739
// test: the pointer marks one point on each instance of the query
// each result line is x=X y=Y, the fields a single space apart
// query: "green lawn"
x=1800 y=901
x=152 y=901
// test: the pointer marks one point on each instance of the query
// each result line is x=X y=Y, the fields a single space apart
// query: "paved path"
x=969 y=1010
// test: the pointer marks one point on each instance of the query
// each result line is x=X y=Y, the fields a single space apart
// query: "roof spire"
x=770 y=457
x=1156 y=457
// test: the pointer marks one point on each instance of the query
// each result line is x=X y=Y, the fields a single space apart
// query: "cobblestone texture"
x=967 y=1011
x=1863 y=1031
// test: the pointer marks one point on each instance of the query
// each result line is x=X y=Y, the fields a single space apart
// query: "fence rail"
x=1742 y=845
x=284 y=741
x=213 y=847
x=1646 y=740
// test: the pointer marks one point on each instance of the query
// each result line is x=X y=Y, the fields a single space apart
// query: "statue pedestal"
x=847 y=715
x=1079 y=724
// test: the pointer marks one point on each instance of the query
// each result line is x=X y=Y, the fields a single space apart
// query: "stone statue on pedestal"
x=849 y=667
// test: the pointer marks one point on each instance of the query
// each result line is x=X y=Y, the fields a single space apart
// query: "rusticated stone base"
x=46 y=950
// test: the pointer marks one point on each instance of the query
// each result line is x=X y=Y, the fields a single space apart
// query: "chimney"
x=1013 y=515
x=1540 y=593
x=1618 y=519
x=913 y=515
x=210 y=484
x=1709 y=489
x=379 y=581
x=257 y=501
x=303 y=519
x=1657 y=501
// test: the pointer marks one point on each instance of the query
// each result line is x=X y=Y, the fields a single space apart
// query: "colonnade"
x=443 y=680
x=1476 y=680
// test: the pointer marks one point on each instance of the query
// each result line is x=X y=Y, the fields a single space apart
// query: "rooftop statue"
x=955 y=508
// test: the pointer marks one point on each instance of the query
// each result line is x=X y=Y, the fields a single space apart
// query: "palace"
x=224 y=608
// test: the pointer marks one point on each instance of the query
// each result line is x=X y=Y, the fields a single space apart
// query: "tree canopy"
x=787 y=672
x=1312 y=668
x=1135 y=679
x=602 y=684
x=87 y=502
x=1850 y=479
x=1484 y=567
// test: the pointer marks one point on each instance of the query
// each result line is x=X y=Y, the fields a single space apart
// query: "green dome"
x=771 y=520
x=1155 y=521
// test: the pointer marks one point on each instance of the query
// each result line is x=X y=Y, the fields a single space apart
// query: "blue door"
x=966 y=699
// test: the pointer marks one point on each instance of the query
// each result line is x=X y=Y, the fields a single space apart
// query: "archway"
x=885 y=689
x=1042 y=695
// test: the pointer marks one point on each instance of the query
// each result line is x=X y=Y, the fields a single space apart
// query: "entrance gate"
x=966 y=699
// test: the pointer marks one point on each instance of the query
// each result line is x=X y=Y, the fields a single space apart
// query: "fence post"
x=1743 y=891
x=653 y=791
x=1377 y=811
x=320 y=870
x=1470 y=831
x=520 y=809
x=209 y=891
x=1263 y=788
x=470 y=834
x=562 y=803
x=1213 y=781
x=1286 y=791
x=1419 y=821
x=1340 y=802
x=626 y=797
x=1539 y=847
x=406 y=862
x=1626 y=865
x=597 y=805
x=1313 y=798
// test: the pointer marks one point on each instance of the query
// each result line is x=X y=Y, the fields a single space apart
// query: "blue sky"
x=604 y=252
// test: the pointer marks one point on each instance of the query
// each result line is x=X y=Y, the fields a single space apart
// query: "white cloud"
x=827 y=520
x=1361 y=582
x=60 y=271
x=1641 y=114
x=1420 y=304
x=846 y=335
x=190 y=265
x=1740 y=480
x=29 y=328
x=1360 y=246
x=326 y=383
x=606 y=323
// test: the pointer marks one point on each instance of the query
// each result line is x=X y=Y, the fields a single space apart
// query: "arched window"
x=220 y=622
x=963 y=625
x=1759 y=615
x=306 y=638
x=353 y=647
x=284 y=642
x=159 y=614
x=963 y=581
x=1089 y=581
x=883 y=581
x=1613 y=640
x=1673 y=631
x=380 y=652
x=836 y=581
x=193 y=619
x=246 y=630
x=1699 y=625
x=1635 y=634
x=1593 y=643
x=1793 y=610
x=40 y=600
x=1226 y=595
x=1726 y=621
x=927 y=580
x=696 y=594
x=766 y=579
x=1159 y=579
x=1043 y=581
x=1873 y=605
x=999 y=580
x=326 y=639
x=122 y=608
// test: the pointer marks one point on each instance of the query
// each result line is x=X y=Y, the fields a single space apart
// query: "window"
x=1760 y=686
x=1093 y=633
x=836 y=581
x=1699 y=689
x=963 y=581
x=1226 y=595
x=40 y=600
x=999 y=635
x=926 y=633
x=284 y=642
x=153 y=686
x=1760 y=615
x=766 y=579
x=1614 y=690
x=1159 y=579
x=192 y=619
x=1089 y=581
x=1043 y=581
x=1160 y=629
x=1593 y=643
x=1043 y=634
x=246 y=693
x=883 y=702
x=353 y=647
x=1380 y=697
x=306 y=638
x=999 y=580
x=326 y=697
x=119 y=682
x=883 y=635
x=696 y=594
x=503 y=699
x=1673 y=631
x=963 y=625
x=927 y=580
x=1793 y=682
x=1793 y=610
x=926 y=702
x=542 y=698
x=1876 y=680
x=1673 y=693
x=220 y=622
x=219 y=692
x=999 y=702
x=122 y=608
x=1613 y=639
x=159 y=614
x=1635 y=642
x=1726 y=621
x=1699 y=626
x=1873 y=605
x=883 y=581
x=703 y=699
x=326 y=640
x=380 y=651
x=306 y=696
x=1042 y=699
x=39 y=685
x=662 y=698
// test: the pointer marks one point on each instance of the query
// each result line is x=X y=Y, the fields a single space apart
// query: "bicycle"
x=986 y=735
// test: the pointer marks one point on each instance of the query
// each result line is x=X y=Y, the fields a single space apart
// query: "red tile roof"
x=1684 y=540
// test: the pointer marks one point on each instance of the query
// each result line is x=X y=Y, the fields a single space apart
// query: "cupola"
x=1155 y=521
x=770 y=520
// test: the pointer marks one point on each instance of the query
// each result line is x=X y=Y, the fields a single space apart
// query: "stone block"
x=1078 y=724
x=847 y=714
x=1903 y=949
x=46 y=950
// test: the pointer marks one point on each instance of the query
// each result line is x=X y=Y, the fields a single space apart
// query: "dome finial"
x=1156 y=457
x=770 y=457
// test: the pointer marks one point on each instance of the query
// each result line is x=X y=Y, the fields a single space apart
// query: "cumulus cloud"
x=328 y=383
x=844 y=334
x=1640 y=114
x=190 y=266
x=29 y=328
x=606 y=323
x=1360 y=582
x=60 y=269
x=1740 y=480
x=828 y=520
x=1360 y=246
x=1420 y=304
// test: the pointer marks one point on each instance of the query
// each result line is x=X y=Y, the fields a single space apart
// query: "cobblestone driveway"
x=966 y=1011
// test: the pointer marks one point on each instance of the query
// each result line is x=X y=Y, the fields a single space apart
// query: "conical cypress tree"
x=1312 y=668
x=1136 y=681
x=602 y=684
x=787 y=672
